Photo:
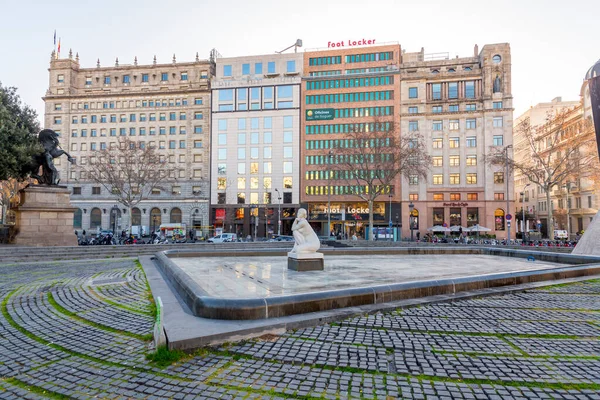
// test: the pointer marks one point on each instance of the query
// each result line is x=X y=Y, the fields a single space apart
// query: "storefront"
x=257 y=221
x=350 y=218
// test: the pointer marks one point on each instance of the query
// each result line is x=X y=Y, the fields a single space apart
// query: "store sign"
x=456 y=204
x=323 y=114
x=350 y=43
x=347 y=210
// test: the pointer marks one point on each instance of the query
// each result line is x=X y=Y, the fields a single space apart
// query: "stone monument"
x=589 y=243
x=304 y=256
x=44 y=216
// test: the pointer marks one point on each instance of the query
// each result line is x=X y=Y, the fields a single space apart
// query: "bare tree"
x=130 y=171
x=372 y=162
x=560 y=149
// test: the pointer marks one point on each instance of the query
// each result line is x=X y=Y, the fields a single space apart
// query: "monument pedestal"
x=45 y=217
x=305 y=262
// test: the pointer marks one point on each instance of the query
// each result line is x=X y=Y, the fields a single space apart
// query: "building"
x=574 y=202
x=255 y=119
x=461 y=106
x=162 y=105
x=359 y=89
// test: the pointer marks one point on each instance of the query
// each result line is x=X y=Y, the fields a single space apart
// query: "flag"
x=58 y=46
x=55 y=37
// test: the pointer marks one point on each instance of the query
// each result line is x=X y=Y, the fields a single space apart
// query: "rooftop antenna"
x=295 y=46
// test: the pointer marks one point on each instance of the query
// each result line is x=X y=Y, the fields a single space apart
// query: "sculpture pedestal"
x=45 y=217
x=305 y=262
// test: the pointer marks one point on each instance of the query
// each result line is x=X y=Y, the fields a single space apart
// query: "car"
x=223 y=238
x=560 y=234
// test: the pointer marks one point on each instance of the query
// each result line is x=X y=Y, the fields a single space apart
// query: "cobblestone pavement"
x=82 y=330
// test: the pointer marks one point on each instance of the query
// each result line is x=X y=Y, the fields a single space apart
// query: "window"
x=197 y=129
x=498 y=196
x=241 y=153
x=453 y=90
x=498 y=140
x=126 y=79
x=182 y=144
x=413 y=93
x=145 y=78
x=497 y=104
x=472 y=196
x=436 y=91
x=271 y=67
x=498 y=122
x=436 y=109
x=287 y=167
x=222 y=153
x=471 y=107
x=287 y=152
x=471 y=123
x=198 y=115
x=453 y=125
x=288 y=122
x=438 y=179
x=88 y=80
x=454 y=196
x=285 y=91
x=454 y=143
x=455 y=179
x=95 y=190
x=436 y=125
x=164 y=76
x=498 y=177
x=267 y=152
x=454 y=161
x=413 y=126
x=107 y=80
x=438 y=143
x=258 y=68
x=438 y=161
x=76 y=190
x=184 y=76
x=413 y=196
x=471 y=141
x=291 y=66
x=413 y=179
x=413 y=110
x=470 y=89
x=226 y=70
x=471 y=161
x=471 y=179
x=453 y=108
x=496 y=59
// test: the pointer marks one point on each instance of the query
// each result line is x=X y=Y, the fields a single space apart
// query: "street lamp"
x=278 y=213
x=115 y=209
x=568 y=187
x=329 y=194
x=411 y=207
x=507 y=196
x=255 y=212
x=390 y=224
x=523 y=209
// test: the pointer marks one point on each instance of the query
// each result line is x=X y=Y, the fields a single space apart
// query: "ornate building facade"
x=162 y=105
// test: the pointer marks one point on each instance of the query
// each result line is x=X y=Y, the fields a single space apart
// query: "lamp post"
x=411 y=207
x=568 y=187
x=255 y=212
x=523 y=209
x=329 y=194
x=507 y=195
x=398 y=227
x=115 y=209
x=278 y=213
x=390 y=224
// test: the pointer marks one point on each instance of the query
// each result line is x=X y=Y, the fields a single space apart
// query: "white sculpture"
x=304 y=235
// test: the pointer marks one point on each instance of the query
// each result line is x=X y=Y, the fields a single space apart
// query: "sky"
x=553 y=43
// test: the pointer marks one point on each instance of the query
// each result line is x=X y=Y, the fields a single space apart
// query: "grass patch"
x=164 y=357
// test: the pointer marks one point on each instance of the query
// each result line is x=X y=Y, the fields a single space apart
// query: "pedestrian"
x=418 y=235
x=354 y=238
x=83 y=233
